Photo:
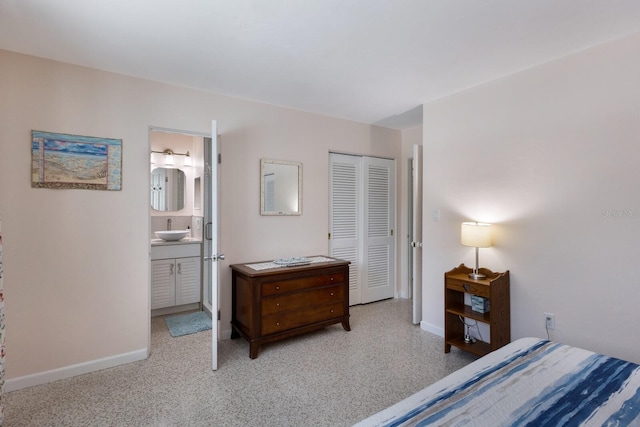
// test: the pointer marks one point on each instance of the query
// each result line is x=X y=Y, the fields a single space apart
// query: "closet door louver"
x=362 y=215
x=379 y=219
x=345 y=211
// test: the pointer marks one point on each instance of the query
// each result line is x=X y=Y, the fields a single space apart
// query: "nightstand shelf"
x=479 y=348
x=466 y=311
x=495 y=288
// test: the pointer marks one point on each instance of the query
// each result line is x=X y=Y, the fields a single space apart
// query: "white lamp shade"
x=475 y=234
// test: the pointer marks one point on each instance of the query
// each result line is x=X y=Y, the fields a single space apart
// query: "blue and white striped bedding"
x=530 y=382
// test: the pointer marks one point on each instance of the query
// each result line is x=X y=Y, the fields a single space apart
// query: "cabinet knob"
x=277 y=323
x=332 y=310
x=331 y=293
x=277 y=288
x=277 y=304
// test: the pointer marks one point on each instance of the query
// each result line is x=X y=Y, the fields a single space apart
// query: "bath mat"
x=185 y=324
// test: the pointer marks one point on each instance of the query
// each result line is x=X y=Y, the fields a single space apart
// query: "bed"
x=530 y=382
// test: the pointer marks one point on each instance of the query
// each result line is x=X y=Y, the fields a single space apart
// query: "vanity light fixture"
x=169 y=157
x=477 y=235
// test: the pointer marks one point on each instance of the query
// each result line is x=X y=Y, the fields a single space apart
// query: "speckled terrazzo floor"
x=326 y=378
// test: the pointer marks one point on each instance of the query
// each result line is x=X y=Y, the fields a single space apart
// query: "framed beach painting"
x=59 y=160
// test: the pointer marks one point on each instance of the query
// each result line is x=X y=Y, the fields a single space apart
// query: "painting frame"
x=65 y=161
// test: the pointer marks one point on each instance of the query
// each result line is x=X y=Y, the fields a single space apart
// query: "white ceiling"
x=372 y=61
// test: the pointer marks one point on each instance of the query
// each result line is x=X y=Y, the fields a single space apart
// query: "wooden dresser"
x=277 y=303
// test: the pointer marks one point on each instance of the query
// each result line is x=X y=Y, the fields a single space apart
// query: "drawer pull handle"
x=467 y=287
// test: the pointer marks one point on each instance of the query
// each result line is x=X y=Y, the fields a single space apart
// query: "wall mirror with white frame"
x=167 y=189
x=280 y=187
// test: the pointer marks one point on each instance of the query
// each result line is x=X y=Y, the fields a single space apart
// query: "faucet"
x=169 y=224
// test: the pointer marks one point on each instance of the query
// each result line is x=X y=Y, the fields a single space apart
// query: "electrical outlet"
x=550 y=320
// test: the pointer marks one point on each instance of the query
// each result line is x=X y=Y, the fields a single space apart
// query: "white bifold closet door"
x=362 y=222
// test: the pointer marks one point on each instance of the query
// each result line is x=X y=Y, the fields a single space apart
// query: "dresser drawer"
x=279 y=303
x=468 y=287
x=281 y=286
x=291 y=319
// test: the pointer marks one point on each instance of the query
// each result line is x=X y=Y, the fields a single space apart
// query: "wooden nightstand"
x=496 y=289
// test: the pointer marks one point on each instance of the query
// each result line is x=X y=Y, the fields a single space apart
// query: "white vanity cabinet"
x=175 y=275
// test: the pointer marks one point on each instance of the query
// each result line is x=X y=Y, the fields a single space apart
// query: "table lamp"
x=477 y=235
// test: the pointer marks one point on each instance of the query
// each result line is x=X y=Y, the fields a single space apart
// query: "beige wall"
x=76 y=265
x=550 y=156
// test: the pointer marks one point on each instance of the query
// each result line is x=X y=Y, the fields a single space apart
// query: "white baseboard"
x=429 y=327
x=225 y=334
x=175 y=309
x=74 y=370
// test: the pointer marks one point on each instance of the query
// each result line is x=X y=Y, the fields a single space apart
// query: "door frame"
x=409 y=219
x=416 y=253
x=214 y=320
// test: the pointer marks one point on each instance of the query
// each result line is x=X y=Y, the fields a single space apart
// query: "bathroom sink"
x=172 y=235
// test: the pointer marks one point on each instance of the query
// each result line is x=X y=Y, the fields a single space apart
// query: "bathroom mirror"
x=280 y=187
x=167 y=189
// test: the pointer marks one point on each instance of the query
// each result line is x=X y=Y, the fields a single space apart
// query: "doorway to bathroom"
x=183 y=226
